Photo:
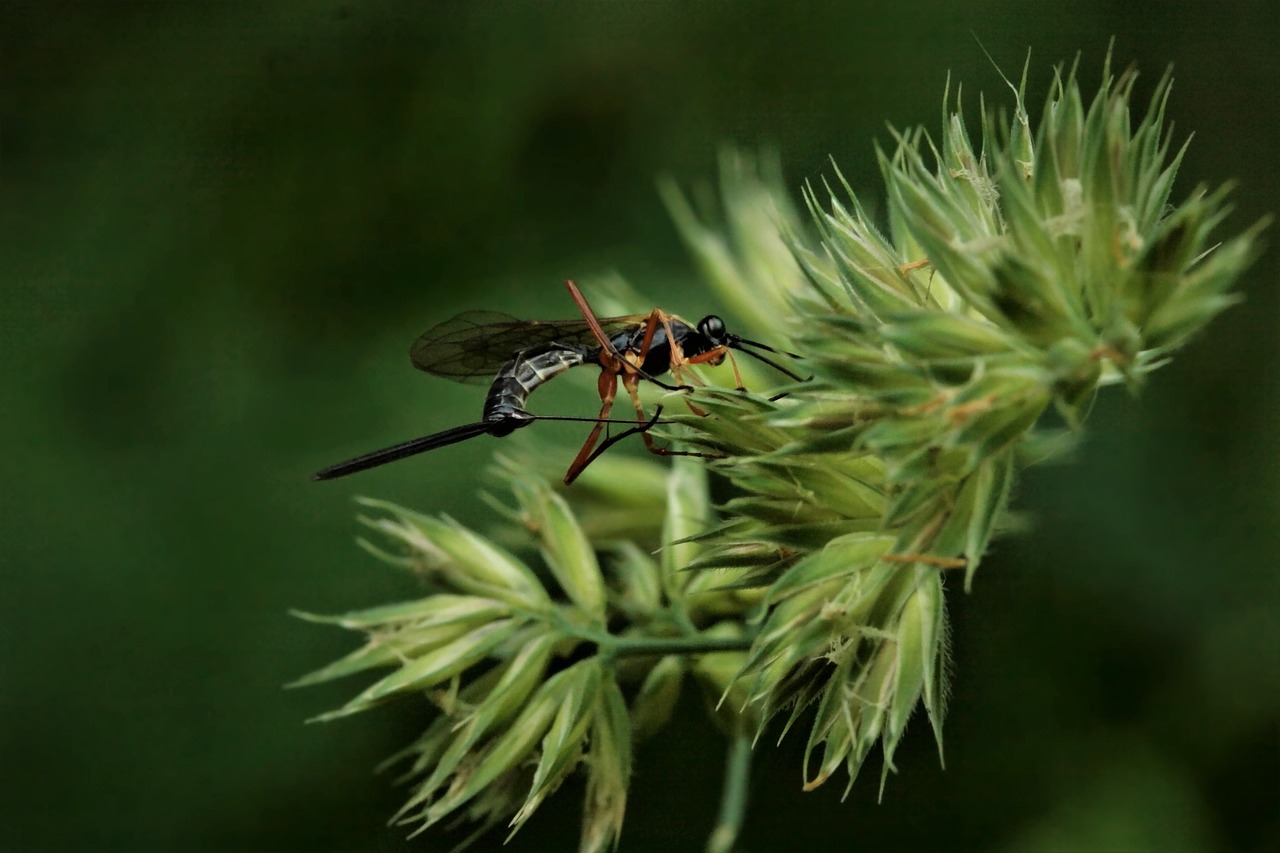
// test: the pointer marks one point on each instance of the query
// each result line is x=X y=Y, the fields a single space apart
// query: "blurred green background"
x=224 y=223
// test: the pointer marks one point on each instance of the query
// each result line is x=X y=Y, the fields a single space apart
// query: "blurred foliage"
x=224 y=223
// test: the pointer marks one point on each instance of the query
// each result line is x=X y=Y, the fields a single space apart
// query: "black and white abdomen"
x=524 y=373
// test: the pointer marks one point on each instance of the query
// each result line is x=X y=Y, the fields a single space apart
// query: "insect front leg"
x=678 y=360
x=715 y=356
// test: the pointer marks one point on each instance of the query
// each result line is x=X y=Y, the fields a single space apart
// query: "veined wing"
x=474 y=345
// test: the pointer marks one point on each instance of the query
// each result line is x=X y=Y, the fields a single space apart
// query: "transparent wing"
x=473 y=346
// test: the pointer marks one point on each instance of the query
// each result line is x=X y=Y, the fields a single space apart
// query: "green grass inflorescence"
x=1008 y=280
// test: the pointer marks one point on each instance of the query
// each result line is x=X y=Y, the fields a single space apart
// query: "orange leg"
x=650 y=329
x=632 y=383
x=737 y=377
x=656 y=318
x=615 y=364
x=610 y=442
x=677 y=354
x=678 y=362
x=612 y=363
x=676 y=359
x=608 y=387
x=592 y=322
x=715 y=356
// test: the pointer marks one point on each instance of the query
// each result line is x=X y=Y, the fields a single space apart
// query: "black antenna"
x=764 y=347
x=741 y=344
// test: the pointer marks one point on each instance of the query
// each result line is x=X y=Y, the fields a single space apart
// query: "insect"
x=522 y=355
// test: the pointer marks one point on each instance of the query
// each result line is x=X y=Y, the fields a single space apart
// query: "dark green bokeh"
x=224 y=223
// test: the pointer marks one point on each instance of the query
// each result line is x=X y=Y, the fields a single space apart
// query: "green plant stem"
x=612 y=645
x=671 y=645
x=733 y=802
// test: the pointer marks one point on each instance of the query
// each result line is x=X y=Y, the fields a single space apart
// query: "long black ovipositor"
x=419 y=445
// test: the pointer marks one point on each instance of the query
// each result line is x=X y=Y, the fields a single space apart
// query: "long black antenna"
x=764 y=347
x=741 y=344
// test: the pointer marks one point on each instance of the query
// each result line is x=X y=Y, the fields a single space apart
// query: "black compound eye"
x=712 y=327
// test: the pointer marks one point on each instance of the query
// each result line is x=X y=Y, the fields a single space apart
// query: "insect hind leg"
x=608 y=387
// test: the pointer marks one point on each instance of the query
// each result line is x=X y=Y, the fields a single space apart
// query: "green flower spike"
x=1013 y=278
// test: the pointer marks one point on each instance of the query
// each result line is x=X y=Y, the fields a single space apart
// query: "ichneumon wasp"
x=522 y=355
